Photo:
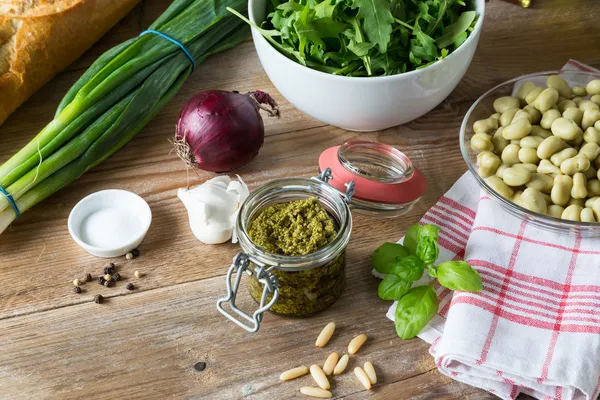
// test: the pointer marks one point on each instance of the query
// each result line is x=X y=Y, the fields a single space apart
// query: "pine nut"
x=325 y=335
x=341 y=365
x=293 y=373
x=330 y=363
x=370 y=371
x=319 y=376
x=356 y=343
x=315 y=392
x=362 y=377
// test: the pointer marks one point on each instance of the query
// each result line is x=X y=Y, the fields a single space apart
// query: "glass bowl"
x=482 y=109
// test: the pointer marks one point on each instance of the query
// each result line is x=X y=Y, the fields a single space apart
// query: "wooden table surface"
x=55 y=344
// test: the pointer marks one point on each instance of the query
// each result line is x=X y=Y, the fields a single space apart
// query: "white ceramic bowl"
x=363 y=103
x=110 y=223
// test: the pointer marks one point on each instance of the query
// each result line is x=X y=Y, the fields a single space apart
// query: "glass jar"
x=369 y=177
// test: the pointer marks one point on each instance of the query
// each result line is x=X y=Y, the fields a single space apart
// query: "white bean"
x=587 y=215
x=501 y=104
x=555 y=211
x=579 y=189
x=533 y=200
x=510 y=154
x=546 y=167
x=593 y=87
x=565 y=129
x=572 y=213
x=548 y=118
x=561 y=191
x=562 y=87
x=558 y=158
x=546 y=99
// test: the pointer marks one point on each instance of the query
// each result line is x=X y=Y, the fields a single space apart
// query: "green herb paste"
x=296 y=228
x=299 y=228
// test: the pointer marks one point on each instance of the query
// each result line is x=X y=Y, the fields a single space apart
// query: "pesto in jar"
x=299 y=228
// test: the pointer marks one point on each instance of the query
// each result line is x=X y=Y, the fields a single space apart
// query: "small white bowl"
x=363 y=103
x=110 y=223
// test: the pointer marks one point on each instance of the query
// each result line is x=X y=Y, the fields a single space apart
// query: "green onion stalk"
x=115 y=98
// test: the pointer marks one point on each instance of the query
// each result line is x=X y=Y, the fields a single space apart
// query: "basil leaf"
x=384 y=257
x=453 y=31
x=410 y=268
x=427 y=247
x=459 y=275
x=414 y=310
x=377 y=21
x=411 y=237
x=392 y=287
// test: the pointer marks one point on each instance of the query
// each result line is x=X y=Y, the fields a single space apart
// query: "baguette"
x=39 y=38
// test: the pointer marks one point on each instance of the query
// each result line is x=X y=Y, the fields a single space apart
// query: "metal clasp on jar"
x=326 y=176
x=243 y=262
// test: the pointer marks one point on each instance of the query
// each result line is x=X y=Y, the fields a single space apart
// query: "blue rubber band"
x=175 y=42
x=12 y=202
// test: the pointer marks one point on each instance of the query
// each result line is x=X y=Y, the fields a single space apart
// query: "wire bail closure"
x=242 y=262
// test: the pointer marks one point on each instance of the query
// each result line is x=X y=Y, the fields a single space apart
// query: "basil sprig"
x=405 y=264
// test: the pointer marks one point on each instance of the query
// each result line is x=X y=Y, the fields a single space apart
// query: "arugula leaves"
x=367 y=37
x=405 y=264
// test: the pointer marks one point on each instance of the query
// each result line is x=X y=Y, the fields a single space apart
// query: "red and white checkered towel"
x=535 y=326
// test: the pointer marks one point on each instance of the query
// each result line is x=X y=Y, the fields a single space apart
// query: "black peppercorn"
x=116 y=276
x=98 y=299
x=101 y=280
x=88 y=277
x=135 y=253
x=129 y=286
x=200 y=366
x=109 y=269
x=108 y=283
x=77 y=289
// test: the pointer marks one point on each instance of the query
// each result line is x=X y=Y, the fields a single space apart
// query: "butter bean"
x=593 y=87
x=563 y=105
x=485 y=125
x=577 y=141
x=517 y=129
x=587 y=215
x=593 y=187
x=501 y=169
x=546 y=99
x=549 y=117
x=495 y=115
x=531 y=142
x=507 y=116
x=522 y=114
x=536 y=116
x=555 y=211
x=574 y=114
x=579 y=189
x=591 y=200
x=516 y=176
x=541 y=182
x=533 y=94
x=591 y=135
x=596 y=99
x=565 y=129
x=561 y=191
x=591 y=172
x=577 y=100
x=590 y=116
x=558 y=158
x=590 y=150
x=528 y=155
x=517 y=198
x=510 y=154
x=481 y=142
x=528 y=166
x=572 y=213
x=502 y=104
x=579 y=91
x=537 y=130
x=488 y=163
x=561 y=86
x=596 y=209
x=547 y=198
x=585 y=105
x=579 y=202
x=549 y=146
x=499 y=142
x=533 y=200
x=500 y=187
x=515 y=141
x=523 y=91
x=573 y=165
x=547 y=168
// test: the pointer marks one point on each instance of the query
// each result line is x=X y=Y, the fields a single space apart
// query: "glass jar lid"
x=386 y=184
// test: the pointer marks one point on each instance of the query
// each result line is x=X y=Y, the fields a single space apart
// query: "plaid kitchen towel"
x=535 y=326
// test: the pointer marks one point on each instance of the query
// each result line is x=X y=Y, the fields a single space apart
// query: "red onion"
x=220 y=131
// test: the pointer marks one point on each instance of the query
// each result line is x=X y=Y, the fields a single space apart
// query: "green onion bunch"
x=115 y=98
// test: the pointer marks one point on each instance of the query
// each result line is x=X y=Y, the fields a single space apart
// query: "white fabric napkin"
x=535 y=326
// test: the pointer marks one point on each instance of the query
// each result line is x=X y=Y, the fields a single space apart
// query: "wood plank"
x=145 y=345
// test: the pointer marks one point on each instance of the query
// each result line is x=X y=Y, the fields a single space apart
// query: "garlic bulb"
x=213 y=207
